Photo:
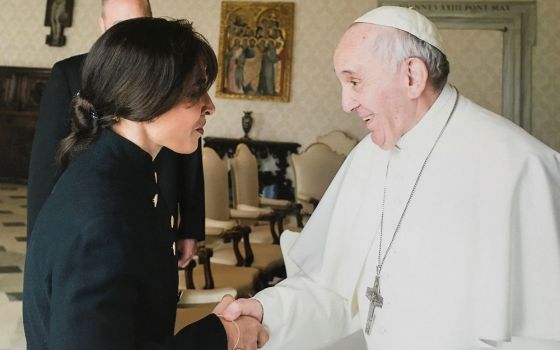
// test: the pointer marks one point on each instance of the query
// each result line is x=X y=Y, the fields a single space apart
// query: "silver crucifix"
x=375 y=300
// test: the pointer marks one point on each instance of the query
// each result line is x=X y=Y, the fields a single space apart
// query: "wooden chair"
x=338 y=141
x=195 y=303
x=245 y=188
x=314 y=170
x=267 y=258
x=218 y=212
x=233 y=280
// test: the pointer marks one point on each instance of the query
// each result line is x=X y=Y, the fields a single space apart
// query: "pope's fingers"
x=262 y=338
x=221 y=307
x=244 y=307
x=232 y=312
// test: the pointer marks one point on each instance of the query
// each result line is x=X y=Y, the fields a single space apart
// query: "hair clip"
x=94 y=115
x=78 y=93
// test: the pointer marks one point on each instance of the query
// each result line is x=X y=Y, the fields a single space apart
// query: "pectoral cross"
x=375 y=300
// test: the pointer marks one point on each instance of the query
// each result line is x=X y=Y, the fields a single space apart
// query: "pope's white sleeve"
x=301 y=314
x=518 y=343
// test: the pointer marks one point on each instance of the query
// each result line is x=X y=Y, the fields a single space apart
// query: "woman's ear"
x=101 y=24
x=416 y=75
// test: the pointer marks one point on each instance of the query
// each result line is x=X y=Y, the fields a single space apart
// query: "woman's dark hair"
x=137 y=70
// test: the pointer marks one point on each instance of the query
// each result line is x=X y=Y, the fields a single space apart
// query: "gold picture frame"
x=255 y=50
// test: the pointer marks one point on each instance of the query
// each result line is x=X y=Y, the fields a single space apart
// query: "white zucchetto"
x=406 y=19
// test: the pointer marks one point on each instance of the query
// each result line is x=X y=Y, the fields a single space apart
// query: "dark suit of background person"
x=180 y=176
x=100 y=271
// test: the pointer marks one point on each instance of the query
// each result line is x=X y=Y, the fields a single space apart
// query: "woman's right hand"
x=249 y=333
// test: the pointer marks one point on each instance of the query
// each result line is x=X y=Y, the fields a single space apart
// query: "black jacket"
x=100 y=271
x=180 y=176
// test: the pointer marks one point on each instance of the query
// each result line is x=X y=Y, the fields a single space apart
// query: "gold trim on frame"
x=253 y=34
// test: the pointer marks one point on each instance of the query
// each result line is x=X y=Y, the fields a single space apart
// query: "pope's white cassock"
x=475 y=264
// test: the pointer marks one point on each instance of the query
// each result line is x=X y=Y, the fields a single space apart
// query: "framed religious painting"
x=255 y=50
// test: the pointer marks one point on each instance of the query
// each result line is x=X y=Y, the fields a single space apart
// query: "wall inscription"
x=462 y=7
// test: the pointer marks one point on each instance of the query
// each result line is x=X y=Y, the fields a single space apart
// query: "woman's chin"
x=185 y=149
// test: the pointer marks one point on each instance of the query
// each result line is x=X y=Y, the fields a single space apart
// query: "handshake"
x=242 y=322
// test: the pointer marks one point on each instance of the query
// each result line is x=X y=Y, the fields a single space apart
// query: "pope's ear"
x=417 y=77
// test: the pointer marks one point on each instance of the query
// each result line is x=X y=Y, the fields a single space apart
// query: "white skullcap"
x=406 y=19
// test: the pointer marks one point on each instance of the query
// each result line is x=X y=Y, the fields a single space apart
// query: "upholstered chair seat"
x=233 y=280
x=196 y=303
x=249 y=215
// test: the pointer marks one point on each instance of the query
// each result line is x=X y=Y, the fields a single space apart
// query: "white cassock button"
x=155 y=176
x=155 y=200
x=172 y=221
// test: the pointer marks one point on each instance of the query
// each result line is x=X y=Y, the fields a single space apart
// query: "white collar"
x=421 y=137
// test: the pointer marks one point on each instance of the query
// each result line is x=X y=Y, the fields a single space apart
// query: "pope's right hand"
x=244 y=307
x=251 y=333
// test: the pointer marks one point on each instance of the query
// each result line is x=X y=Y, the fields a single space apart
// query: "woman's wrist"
x=232 y=331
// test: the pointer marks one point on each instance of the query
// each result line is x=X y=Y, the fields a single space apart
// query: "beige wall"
x=469 y=46
x=314 y=108
x=22 y=33
x=546 y=74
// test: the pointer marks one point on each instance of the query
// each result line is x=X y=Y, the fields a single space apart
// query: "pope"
x=440 y=230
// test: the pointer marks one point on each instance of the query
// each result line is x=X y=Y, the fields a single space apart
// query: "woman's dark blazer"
x=100 y=271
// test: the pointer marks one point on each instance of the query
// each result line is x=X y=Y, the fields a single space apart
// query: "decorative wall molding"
x=516 y=19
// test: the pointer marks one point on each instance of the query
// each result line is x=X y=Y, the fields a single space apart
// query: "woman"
x=100 y=271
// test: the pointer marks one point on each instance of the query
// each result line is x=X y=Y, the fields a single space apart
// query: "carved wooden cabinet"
x=20 y=95
x=262 y=149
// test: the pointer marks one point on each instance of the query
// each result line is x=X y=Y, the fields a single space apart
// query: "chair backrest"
x=315 y=168
x=216 y=188
x=338 y=141
x=244 y=177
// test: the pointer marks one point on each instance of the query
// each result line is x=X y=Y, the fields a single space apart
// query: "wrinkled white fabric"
x=475 y=263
